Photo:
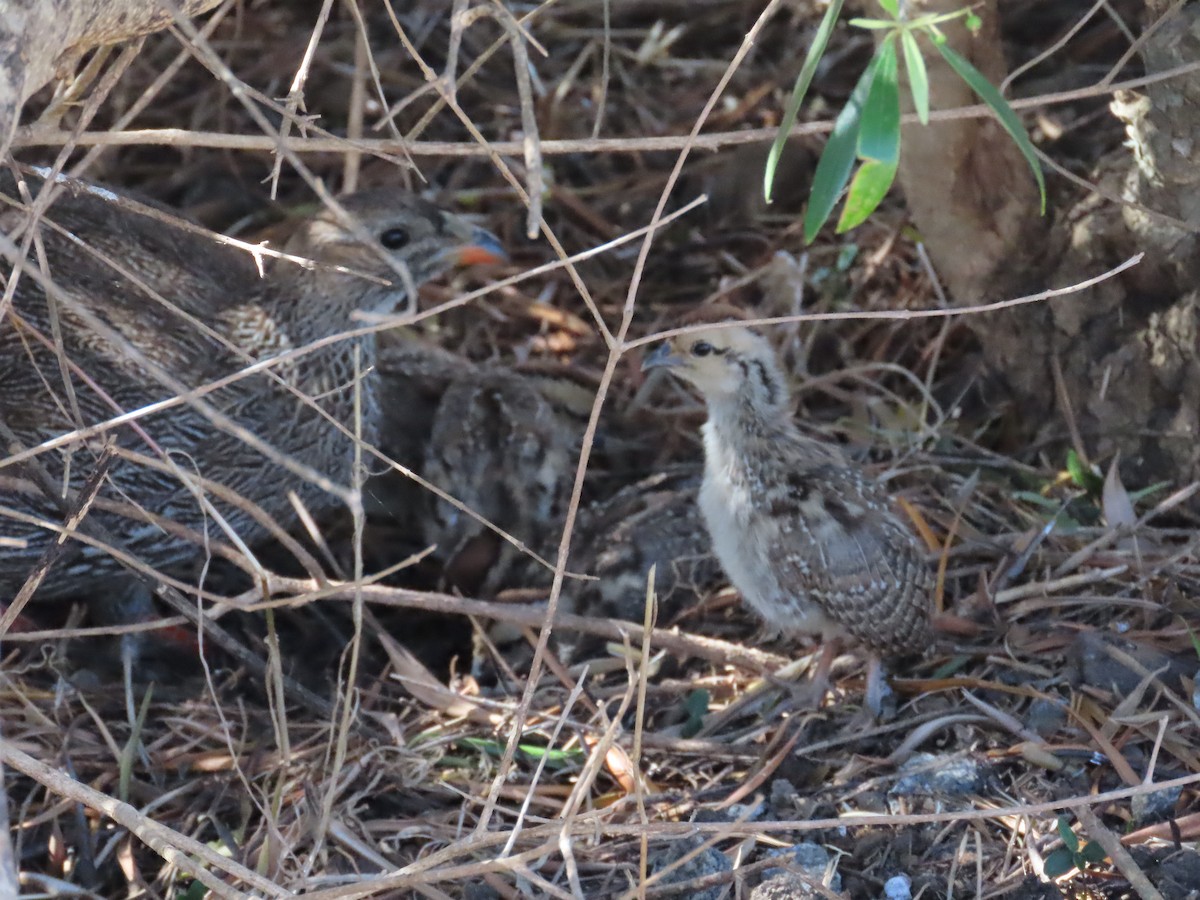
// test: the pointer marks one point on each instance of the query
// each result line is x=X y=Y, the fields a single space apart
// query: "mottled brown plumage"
x=503 y=449
x=145 y=310
x=804 y=533
x=501 y=440
x=653 y=523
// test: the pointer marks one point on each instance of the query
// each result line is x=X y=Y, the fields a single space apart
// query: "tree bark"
x=1118 y=362
x=968 y=188
x=1130 y=357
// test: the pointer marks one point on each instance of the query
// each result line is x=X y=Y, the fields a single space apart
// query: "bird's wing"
x=143 y=279
x=104 y=239
x=843 y=546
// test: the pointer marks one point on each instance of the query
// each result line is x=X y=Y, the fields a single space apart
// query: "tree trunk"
x=1119 y=361
x=969 y=189
x=1130 y=358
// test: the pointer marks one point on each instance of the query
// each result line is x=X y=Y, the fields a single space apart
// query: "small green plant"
x=1084 y=476
x=696 y=707
x=194 y=891
x=1071 y=855
x=555 y=759
x=867 y=130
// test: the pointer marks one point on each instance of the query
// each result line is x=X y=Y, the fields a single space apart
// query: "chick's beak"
x=661 y=357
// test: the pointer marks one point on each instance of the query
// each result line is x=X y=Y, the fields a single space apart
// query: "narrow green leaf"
x=837 y=160
x=869 y=187
x=891 y=7
x=1068 y=836
x=129 y=752
x=929 y=22
x=872 y=24
x=1060 y=862
x=918 y=78
x=1138 y=496
x=1084 y=476
x=879 y=136
x=1004 y=113
x=1035 y=499
x=845 y=257
x=1195 y=640
x=955 y=665
x=696 y=706
x=557 y=758
x=799 y=89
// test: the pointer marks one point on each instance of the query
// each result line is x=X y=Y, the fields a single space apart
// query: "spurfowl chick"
x=504 y=444
x=501 y=439
x=652 y=523
x=806 y=536
x=145 y=310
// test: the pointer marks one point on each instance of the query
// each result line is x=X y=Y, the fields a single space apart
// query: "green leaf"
x=1067 y=835
x=554 y=758
x=195 y=891
x=1076 y=469
x=130 y=751
x=845 y=257
x=799 y=89
x=879 y=136
x=891 y=7
x=1060 y=862
x=951 y=667
x=873 y=24
x=1082 y=475
x=1145 y=492
x=837 y=160
x=918 y=78
x=869 y=187
x=1036 y=499
x=1091 y=854
x=1004 y=113
x=1195 y=640
x=696 y=706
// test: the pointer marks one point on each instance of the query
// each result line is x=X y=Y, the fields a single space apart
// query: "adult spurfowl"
x=157 y=379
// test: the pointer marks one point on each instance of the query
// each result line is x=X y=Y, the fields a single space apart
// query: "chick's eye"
x=702 y=348
x=394 y=238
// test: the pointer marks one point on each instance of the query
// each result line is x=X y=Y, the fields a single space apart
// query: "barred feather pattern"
x=504 y=451
x=142 y=307
x=810 y=540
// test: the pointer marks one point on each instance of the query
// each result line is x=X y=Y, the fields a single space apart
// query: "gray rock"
x=708 y=862
x=784 y=886
x=811 y=859
x=945 y=776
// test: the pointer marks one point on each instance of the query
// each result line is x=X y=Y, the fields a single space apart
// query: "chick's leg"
x=878 y=692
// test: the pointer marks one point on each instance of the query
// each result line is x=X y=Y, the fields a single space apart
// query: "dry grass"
x=1061 y=685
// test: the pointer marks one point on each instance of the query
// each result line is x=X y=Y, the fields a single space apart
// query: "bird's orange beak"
x=482 y=248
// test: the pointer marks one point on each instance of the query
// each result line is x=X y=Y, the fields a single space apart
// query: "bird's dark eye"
x=394 y=238
x=702 y=348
